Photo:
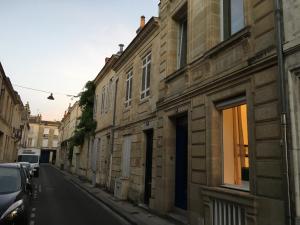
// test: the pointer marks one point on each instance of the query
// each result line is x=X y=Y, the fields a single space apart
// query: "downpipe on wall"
x=283 y=103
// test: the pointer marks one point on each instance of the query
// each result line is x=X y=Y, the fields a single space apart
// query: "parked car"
x=14 y=195
x=28 y=168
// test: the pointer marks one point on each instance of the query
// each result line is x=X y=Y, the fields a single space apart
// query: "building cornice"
x=9 y=85
x=151 y=26
x=106 y=68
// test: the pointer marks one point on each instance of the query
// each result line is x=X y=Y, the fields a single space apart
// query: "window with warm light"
x=235 y=147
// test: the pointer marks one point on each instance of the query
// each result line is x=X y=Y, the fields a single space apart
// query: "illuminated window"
x=235 y=147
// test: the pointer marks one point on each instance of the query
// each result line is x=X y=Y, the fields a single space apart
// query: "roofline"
x=9 y=85
x=151 y=26
x=108 y=65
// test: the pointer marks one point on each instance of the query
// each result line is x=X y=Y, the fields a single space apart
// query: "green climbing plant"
x=87 y=125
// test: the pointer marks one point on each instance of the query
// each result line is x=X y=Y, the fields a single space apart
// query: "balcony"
x=229 y=207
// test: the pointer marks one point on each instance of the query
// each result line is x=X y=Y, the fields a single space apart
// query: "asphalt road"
x=57 y=201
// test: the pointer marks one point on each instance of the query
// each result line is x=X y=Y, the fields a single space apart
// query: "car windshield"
x=28 y=158
x=10 y=180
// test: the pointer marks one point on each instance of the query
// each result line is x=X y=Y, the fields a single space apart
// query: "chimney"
x=142 y=24
x=106 y=59
x=121 y=49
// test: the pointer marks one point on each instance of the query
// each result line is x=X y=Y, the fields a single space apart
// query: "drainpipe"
x=113 y=133
x=283 y=101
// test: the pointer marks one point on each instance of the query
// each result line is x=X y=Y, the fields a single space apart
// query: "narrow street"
x=57 y=201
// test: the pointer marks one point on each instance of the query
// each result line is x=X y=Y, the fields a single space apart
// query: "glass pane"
x=10 y=180
x=127 y=89
x=235 y=146
x=148 y=75
x=237 y=15
x=183 y=46
x=143 y=78
x=130 y=88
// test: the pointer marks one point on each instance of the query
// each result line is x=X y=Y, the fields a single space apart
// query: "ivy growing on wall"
x=87 y=125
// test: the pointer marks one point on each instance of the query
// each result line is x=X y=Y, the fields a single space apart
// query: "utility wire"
x=48 y=92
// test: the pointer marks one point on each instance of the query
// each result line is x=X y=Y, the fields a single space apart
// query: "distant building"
x=66 y=130
x=43 y=135
x=13 y=120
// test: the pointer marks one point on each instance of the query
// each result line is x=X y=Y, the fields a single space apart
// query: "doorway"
x=148 y=168
x=181 y=163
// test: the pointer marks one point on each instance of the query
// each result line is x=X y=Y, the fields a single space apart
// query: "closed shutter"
x=126 y=156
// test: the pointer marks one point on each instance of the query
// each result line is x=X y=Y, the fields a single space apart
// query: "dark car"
x=14 y=195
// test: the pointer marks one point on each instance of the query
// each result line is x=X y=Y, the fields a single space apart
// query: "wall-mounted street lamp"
x=51 y=97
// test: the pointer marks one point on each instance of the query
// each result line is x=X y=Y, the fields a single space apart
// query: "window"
x=29 y=142
x=45 y=143
x=182 y=43
x=146 y=76
x=95 y=106
x=56 y=132
x=126 y=156
x=54 y=144
x=46 y=131
x=232 y=17
x=128 y=94
x=103 y=100
x=235 y=147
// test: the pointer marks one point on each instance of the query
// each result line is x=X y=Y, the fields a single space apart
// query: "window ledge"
x=127 y=109
x=237 y=37
x=227 y=193
x=144 y=100
x=176 y=73
x=243 y=188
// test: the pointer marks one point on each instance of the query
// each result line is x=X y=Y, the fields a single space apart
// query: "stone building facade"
x=291 y=49
x=138 y=72
x=198 y=129
x=218 y=130
x=12 y=125
x=43 y=135
x=66 y=130
x=101 y=152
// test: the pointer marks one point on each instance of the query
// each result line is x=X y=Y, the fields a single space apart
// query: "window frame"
x=221 y=106
x=226 y=19
x=128 y=88
x=103 y=94
x=182 y=22
x=146 y=77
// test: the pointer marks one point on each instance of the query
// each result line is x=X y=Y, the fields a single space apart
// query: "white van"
x=32 y=156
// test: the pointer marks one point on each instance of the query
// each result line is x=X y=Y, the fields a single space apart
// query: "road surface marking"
x=33 y=209
x=31 y=222
x=32 y=215
x=40 y=188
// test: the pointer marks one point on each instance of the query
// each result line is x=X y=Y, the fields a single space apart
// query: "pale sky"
x=58 y=45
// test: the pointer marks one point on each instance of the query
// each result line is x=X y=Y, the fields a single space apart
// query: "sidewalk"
x=133 y=214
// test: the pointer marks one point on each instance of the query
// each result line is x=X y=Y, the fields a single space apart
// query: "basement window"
x=235 y=147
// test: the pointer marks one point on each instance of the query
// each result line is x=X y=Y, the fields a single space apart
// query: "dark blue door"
x=181 y=163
